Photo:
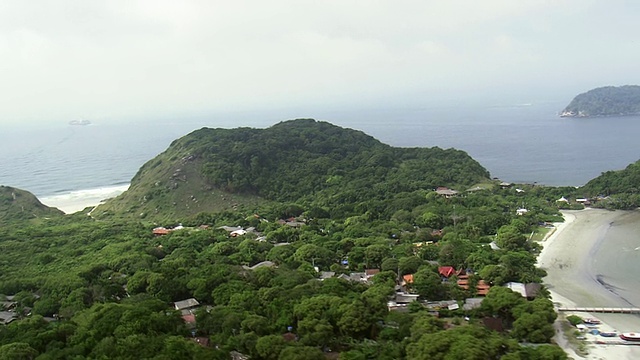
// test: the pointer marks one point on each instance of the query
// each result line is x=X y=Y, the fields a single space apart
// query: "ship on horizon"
x=80 y=122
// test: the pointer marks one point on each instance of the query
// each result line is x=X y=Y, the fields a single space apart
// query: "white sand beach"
x=78 y=200
x=569 y=255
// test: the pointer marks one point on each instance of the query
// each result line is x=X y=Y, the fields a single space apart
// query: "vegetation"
x=17 y=205
x=605 y=101
x=104 y=287
x=303 y=161
x=616 y=189
x=110 y=285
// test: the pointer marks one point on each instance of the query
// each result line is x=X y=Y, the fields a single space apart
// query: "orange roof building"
x=407 y=279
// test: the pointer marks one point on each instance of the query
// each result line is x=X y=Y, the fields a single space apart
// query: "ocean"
x=522 y=143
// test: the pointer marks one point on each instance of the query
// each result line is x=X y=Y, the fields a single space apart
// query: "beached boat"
x=630 y=336
x=591 y=321
x=608 y=334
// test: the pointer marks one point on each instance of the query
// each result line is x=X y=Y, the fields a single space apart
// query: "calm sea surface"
x=523 y=143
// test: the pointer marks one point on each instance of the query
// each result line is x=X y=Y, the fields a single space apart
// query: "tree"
x=375 y=254
x=425 y=323
x=532 y=328
x=17 y=351
x=500 y=301
x=409 y=264
x=429 y=220
x=454 y=251
x=466 y=342
x=270 y=346
x=301 y=353
x=428 y=284
x=574 y=320
x=354 y=319
x=510 y=238
x=521 y=266
x=389 y=264
x=313 y=254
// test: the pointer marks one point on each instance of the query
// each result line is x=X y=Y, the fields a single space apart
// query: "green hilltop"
x=615 y=189
x=299 y=161
x=17 y=205
x=605 y=101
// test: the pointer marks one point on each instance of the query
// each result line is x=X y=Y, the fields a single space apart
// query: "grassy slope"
x=16 y=204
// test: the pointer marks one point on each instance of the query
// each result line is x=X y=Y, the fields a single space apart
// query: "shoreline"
x=568 y=256
x=79 y=200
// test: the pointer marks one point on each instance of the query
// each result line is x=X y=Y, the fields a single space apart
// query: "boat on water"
x=591 y=321
x=608 y=334
x=80 y=122
x=630 y=336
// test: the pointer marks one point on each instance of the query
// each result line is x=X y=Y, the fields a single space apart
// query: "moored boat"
x=630 y=336
x=591 y=321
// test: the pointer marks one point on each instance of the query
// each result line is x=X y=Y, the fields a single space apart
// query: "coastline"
x=569 y=255
x=79 y=200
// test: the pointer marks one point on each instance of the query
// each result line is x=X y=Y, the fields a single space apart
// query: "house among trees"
x=446 y=271
x=369 y=273
x=292 y=222
x=326 y=275
x=159 y=231
x=445 y=191
x=401 y=301
x=187 y=305
x=481 y=288
x=584 y=201
x=7 y=317
x=201 y=340
x=472 y=303
x=529 y=290
x=354 y=277
x=407 y=279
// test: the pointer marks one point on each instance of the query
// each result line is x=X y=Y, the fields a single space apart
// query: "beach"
x=581 y=258
x=75 y=201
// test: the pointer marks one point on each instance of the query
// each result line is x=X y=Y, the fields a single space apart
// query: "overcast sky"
x=64 y=60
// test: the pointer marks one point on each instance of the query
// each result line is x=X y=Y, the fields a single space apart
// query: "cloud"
x=113 y=59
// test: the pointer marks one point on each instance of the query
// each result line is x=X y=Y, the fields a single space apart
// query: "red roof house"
x=446 y=271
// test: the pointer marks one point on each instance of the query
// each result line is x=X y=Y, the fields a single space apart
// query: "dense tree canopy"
x=298 y=281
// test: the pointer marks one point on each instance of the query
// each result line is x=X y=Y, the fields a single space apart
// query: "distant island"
x=79 y=122
x=605 y=101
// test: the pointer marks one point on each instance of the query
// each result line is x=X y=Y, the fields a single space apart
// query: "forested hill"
x=621 y=188
x=605 y=101
x=303 y=161
x=16 y=204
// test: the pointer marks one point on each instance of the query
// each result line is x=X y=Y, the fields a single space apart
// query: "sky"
x=63 y=60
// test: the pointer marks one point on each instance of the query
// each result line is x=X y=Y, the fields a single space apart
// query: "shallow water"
x=616 y=261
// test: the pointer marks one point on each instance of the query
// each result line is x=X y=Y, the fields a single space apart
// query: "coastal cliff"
x=605 y=101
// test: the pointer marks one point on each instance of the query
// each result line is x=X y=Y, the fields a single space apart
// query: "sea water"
x=526 y=143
